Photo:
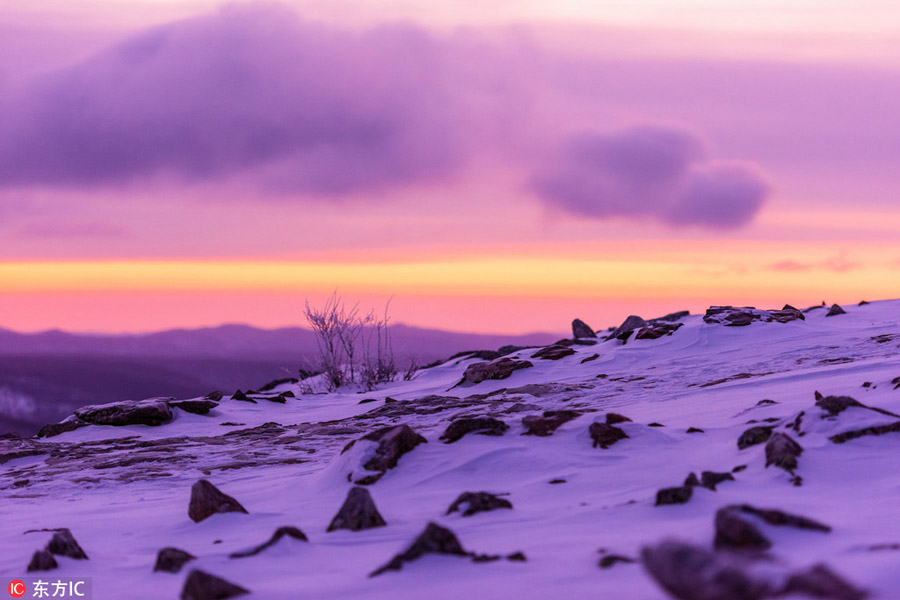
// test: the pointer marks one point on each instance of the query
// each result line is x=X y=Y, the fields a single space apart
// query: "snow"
x=122 y=516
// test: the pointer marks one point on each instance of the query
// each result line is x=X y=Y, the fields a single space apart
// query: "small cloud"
x=650 y=172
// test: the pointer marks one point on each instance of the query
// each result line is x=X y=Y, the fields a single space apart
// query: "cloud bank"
x=652 y=172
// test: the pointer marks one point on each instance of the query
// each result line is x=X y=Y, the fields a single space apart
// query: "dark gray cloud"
x=653 y=172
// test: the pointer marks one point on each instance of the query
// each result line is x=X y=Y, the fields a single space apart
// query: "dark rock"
x=501 y=368
x=657 y=330
x=781 y=519
x=691 y=573
x=215 y=396
x=470 y=503
x=433 y=540
x=516 y=557
x=242 y=397
x=203 y=586
x=197 y=407
x=358 y=512
x=736 y=533
x=366 y=400
x=753 y=436
x=613 y=559
x=63 y=544
x=590 y=358
x=55 y=429
x=153 y=411
x=553 y=352
x=674 y=495
x=710 y=479
x=858 y=433
x=691 y=480
x=739 y=468
x=393 y=442
x=280 y=398
x=42 y=560
x=281 y=532
x=275 y=383
x=580 y=329
x=675 y=316
x=739 y=319
x=821 y=582
x=548 y=423
x=655 y=424
x=782 y=451
x=835 y=310
x=605 y=435
x=557 y=481
x=480 y=425
x=171 y=560
x=615 y=418
x=695 y=430
x=834 y=405
x=207 y=500
x=627 y=327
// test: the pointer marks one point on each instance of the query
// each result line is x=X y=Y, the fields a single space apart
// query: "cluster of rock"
x=731 y=316
x=62 y=543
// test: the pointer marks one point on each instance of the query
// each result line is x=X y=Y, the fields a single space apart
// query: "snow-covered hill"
x=587 y=515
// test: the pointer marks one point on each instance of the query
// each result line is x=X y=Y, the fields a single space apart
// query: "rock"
x=203 y=586
x=433 y=540
x=753 y=436
x=782 y=451
x=207 y=500
x=835 y=310
x=281 y=532
x=615 y=418
x=393 y=442
x=733 y=532
x=834 y=405
x=627 y=327
x=554 y=352
x=739 y=319
x=605 y=435
x=215 y=396
x=358 y=512
x=580 y=329
x=470 y=503
x=821 y=582
x=242 y=397
x=556 y=481
x=590 y=358
x=613 y=559
x=674 y=495
x=63 y=544
x=675 y=316
x=781 y=519
x=153 y=411
x=691 y=480
x=501 y=368
x=480 y=425
x=54 y=429
x=545 y=425
x=691 y=573
x=42 y=560
x=710 y=479
x=197 y=407
x=171 y=560
x=277 y=382
x=657 y=330
x=695 y=430
x=516 y=557
x=840 y=438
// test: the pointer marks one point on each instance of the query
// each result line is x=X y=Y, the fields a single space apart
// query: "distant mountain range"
x=44 y=376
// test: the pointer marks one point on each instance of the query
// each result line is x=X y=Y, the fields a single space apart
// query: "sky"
x=496 y=167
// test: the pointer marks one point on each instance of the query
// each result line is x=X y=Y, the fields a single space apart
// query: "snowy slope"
x=124 y=491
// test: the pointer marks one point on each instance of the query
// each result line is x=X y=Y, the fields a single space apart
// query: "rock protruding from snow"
x=501 y=368
x=549 y=422
x=835 y=405
x=674 y=495
x=358 y=512
x=207 y=500
x=782 y=451
x=605 y=435
x=242 y=397
x=470 y=503
x=821 y=582
x=171 y=560
x=753 y=436
x=393 y=442
x=53 y=429
x=63 y=544
x=692 y=573
x=835 y=310
x=580 y=329
x=780 y=518
x=710 y=479
x=203 y=586
x=42 y=560
x=615 y=418
x=734 y=532
x=199 y=406
x=656 y=330
x=731 y=316
x=281 y=532
x=433 y=540
x=480 y=425
x=554 y=352
x=840 y=438
x=153 y=411
x=627 y=328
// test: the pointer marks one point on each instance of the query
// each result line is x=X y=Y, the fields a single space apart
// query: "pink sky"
x=495 y=168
